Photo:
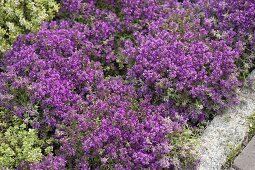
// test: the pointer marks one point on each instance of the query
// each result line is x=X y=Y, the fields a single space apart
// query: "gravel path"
x=228 y=130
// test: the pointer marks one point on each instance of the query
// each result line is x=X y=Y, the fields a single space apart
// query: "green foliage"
x=185 y=148
x=122 y=64
x=21 y=96
x=251 y=121
x=18 y=142
x=245 y=64
x=235 y=151
x=22 y=16
x=181 y=99
x=102 y=4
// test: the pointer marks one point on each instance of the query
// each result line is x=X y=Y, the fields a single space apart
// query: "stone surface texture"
x=246 y=160
x=228 y=130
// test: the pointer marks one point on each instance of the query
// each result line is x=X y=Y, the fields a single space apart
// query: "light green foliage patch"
x=18 y=142
x=185 y=150
x=22 y=16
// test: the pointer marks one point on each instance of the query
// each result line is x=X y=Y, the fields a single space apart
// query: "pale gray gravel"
x=228 y=130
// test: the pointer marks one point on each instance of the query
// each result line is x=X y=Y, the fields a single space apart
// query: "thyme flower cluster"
x=116 y=82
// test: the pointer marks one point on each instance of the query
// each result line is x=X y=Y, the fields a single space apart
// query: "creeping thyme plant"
x=118 y=84
x=22 y=16
x=18 y=143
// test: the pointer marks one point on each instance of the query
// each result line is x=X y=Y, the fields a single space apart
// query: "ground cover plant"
x=233 y=21
x=118 y=84
x=19 y=17
x=19 y=143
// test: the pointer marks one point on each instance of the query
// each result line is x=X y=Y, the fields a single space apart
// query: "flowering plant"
x=117 y=83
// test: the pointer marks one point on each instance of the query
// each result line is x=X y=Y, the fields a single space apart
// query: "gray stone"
x=228 y=130
x=246 y=160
